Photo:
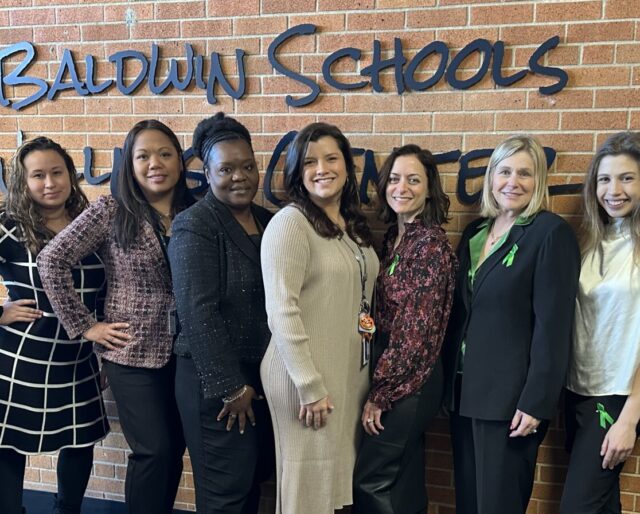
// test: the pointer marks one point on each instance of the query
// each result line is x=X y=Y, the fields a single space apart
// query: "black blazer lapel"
x=233 y=229
x=517 y=231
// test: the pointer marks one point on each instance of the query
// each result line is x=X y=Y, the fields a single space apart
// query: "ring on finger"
x=369 y=420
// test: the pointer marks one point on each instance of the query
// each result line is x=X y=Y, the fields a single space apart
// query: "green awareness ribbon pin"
x=605 y=417
x=392 y=266
x=508 y=260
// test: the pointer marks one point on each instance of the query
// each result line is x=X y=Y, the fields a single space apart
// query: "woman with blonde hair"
x=603 y=382
x=509 y=333
x=50 y=396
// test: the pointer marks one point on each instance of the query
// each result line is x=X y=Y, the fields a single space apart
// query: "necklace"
x=493 y=239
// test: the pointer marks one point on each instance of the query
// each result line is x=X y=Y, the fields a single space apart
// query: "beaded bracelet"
x=237 y=396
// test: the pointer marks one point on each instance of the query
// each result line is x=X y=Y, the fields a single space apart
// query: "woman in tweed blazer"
x=130 y=232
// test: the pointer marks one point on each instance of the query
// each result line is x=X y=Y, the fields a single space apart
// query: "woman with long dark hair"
x=50 y=396
x=602 y=402
x=318 y=267
x=414 y=293
x=130 y=232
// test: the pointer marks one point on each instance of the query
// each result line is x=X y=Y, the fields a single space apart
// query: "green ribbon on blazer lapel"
x=508 y=260
x=392 y=266
x=605 y=417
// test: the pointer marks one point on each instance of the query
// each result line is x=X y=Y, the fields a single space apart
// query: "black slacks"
x=389 y=475
x=588 y=488
x=493 y=473
x=150 y=422
x=73 y=470
x=228 y=467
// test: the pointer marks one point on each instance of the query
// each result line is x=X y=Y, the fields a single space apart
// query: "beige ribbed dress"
x=313 y=291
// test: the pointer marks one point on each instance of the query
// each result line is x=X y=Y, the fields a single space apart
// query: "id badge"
x=172 y=318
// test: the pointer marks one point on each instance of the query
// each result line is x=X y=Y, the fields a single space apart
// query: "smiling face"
x=407 y=187
x=233 y=173
x=48 y=180
x=618 y=185
x=156 y=165
x=325 y=171
x=513 y=183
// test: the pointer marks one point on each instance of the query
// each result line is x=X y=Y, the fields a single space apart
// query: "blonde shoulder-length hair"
x=519 y=143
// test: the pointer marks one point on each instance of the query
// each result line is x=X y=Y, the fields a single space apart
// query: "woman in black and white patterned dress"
x=50 y=396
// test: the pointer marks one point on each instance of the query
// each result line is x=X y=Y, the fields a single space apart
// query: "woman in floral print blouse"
x=414 y=297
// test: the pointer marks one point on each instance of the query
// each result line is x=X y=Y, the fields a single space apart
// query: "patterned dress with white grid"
x=49 y=385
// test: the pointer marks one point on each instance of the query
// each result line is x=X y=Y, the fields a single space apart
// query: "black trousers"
x=493 y=473
x=150 y=422
x=228 y=467
x=389 y=475
x=588 y=488
x=73 y=470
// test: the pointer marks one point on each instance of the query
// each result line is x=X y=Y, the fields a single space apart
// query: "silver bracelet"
x=237 y=396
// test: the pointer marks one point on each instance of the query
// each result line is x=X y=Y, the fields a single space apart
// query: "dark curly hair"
x=215 y=129
x=20 y=207
x=436 y=208
x=357 y=226
x=133 y=207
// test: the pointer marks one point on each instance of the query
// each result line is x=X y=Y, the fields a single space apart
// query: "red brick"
x=621 y=9
x=593 y=120
x=278 y=6
x=623 y=98
x=345 y=5
x=280 y=124
x=383 y=102
x=104 y=32
x=628 y=53
x=458 y=38
x=324 y=22
x=180 y=10
x=598 y=54
x=84 y=124
x=600 y=76
x=206 y=28
x=351 y=122
x=396 y=4
x=502 y=14
x=375 y=21
x=324 y=103
x=222 y=8
x=11 y=35
x=57 y=34
x=139 y=10
x=527 y=121
x=600 y=31
x=41 y=124
x=431 y=101
x=463 y=122
x=494 y=100
x=437 y=18
x=568 y=11
x=156 y=30
x=32 y=17
x=260 y=25
x=401 y=123
x=565 y=99
x=330 y=42
x=530 y=35
x=81 y=14
x=64 y=104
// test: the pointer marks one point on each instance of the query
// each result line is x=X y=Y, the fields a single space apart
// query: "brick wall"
x=599 y=49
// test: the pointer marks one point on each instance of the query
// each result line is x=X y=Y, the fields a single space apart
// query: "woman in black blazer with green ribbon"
x=217 y=281
x=509 y=334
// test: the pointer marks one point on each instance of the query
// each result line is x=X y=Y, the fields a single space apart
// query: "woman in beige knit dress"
x=319 y=269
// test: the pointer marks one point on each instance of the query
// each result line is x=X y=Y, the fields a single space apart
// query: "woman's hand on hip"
x=240 y=409
x=371 y=414
x=618 y=444
x=19 y=310
x=316 y=414
x=109 y=335
x=523 y=425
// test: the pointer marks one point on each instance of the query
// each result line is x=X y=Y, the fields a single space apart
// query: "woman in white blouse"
x=603 y=396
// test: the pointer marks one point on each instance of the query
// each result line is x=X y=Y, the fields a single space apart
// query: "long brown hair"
x=595 y=218
x=357 y=226
x=20 y=207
